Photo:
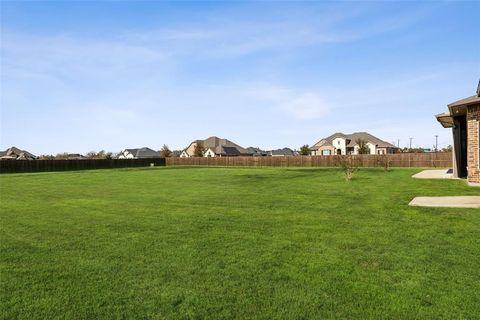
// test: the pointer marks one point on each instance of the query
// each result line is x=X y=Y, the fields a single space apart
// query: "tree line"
x=166 y=152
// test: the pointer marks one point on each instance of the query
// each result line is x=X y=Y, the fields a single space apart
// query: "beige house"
x=342 y=144
x=463 y=117
x=216 y=147
x=14 y=153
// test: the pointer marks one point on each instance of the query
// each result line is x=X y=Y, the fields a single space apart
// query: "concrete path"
x=433 y=174
x=447 y=202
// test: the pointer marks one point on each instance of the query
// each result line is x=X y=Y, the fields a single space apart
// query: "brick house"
x=463 y=117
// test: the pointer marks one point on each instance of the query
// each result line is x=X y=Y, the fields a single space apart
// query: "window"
x=326 y=152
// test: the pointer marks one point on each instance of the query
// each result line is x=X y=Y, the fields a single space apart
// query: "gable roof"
x=16 y=153
x=222 y=146
x=143 y=153
x=176 y=153
x=282 y=152
x=351 y=140
x=369 y=138
x=257 y=151
x=230 y=151
x=465 y=102
x=458 y=108
x=328 y=140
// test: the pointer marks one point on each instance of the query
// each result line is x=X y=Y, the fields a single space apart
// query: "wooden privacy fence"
x=17 y=166
x=424 y=160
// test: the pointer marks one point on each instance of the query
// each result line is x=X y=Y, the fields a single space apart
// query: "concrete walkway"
x=447 y=202
x=433 y=174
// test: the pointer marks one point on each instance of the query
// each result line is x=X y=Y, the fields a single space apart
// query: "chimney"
x=478 y=89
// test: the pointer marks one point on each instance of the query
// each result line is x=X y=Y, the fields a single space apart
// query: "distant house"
x=139 y=153
x=215 y=147
x=257 y=152
x=341 y=144
x=75 y=156
x=463 y=117
x=14 y=153
x=176 y=153
x=281 y=152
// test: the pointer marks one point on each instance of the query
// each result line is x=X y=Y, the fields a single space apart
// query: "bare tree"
x=91 y=155
x=165 y=151
x=102 y=154
x=348 y=163
x=384 y=161
x=61 y=156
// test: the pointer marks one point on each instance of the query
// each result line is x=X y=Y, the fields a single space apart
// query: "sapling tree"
x=384 y=161
x=348 y=163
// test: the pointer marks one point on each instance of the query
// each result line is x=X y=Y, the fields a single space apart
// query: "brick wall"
x=319 y=151
x=473 y=118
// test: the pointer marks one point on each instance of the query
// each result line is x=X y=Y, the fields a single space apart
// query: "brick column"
x=473 y=161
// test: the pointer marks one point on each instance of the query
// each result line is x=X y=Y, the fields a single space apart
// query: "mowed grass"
x=235 y=243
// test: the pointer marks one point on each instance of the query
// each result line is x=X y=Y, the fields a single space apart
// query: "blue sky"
x=82 y=76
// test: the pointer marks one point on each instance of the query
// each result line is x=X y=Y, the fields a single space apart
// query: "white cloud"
x=224 y=38
x=306 y=106
x=302 y=105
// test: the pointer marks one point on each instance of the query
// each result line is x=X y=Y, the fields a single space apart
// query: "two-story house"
x=342 y=144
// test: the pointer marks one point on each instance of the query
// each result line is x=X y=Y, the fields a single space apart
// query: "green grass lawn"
x=223 y=243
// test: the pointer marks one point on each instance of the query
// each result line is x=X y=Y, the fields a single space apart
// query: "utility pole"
x=410 y=144
x=398 y=143
x=436 y=143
